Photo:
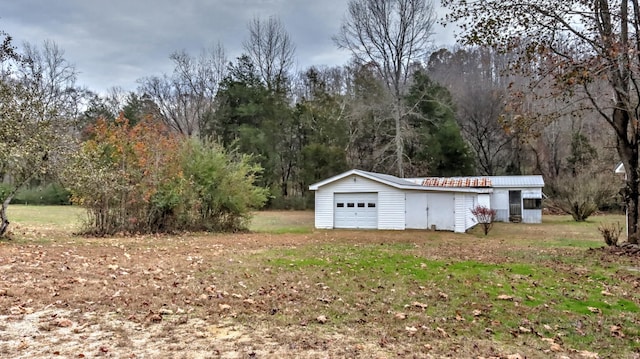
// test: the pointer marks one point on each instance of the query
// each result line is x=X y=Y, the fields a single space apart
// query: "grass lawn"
x=286 y=290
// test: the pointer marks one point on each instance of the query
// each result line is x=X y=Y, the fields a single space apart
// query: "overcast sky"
x=116 y=42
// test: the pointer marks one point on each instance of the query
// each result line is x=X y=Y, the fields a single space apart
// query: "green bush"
x=220 y=187
x=51 y=194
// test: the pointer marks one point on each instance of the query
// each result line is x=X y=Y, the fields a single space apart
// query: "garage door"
x=355 y=210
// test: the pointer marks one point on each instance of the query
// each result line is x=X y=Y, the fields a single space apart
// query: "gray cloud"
x=115 y=43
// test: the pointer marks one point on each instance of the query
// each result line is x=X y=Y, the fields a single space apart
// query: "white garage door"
x=355 y=210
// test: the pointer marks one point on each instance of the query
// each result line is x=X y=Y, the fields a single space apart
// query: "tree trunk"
x=399 y=137
x=4 y=221
x=627 y=146
x=632 y=198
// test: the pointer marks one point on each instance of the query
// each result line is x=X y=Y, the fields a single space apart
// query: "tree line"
x=398 y=107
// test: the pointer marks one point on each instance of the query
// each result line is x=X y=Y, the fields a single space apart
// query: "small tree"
x=485 y=216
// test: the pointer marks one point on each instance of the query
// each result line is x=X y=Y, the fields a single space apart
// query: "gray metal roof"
x=517 y=181
x=389 y=178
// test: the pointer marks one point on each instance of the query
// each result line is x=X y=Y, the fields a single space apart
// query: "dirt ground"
x=140 y=298
x=170 y=297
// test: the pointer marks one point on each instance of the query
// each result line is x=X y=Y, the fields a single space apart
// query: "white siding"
x=531 y=216
x=471 y=201
x=459 y=213
x=484 y=199
x=390 y=201
x=391 y=209
x=465 y=202
x=324 y=208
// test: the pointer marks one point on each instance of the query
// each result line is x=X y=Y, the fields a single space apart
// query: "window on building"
x=360 y=205
x=350 y=205
x=371 y=205
x=532 y=203
x=340 y=205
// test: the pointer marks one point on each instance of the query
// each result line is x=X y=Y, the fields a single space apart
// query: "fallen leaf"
x=321 y=319
x=505 y=297
x=524 y=330
x=555 y=347
x=64 y=323
x=153 y=318
x=411 y=330
x=588 y=355
x=442 y=332
x=401 y=316
x=515 y=356
x=443 y=295
x=477 y=312
x=419 y=305
x=606 y=293
x=594 y=310
x=224 y=306
x=616 y=331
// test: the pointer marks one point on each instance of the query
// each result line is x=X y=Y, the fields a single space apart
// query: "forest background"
x=399 y=107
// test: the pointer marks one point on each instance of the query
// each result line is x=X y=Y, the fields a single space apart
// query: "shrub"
x=485 y=216
x=610 y=232
x=582 y=195
x=146 y=179
x=220 y=187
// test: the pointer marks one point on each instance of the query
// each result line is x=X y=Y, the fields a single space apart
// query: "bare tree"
x=185 y=98
x=389 y=36
x=51 y=78
x=586 y=49
x=271 y=50
x=37 y=99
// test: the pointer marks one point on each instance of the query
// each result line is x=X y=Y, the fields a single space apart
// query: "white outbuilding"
x=368 y=200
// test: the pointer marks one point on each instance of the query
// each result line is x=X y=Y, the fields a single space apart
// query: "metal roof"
x=389 y=178
x=517 y=181
x=465 y=184
x=456 y=182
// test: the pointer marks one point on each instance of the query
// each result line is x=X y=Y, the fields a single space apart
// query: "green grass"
x=61 y=216
x=281 y=222
x=537 y=295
